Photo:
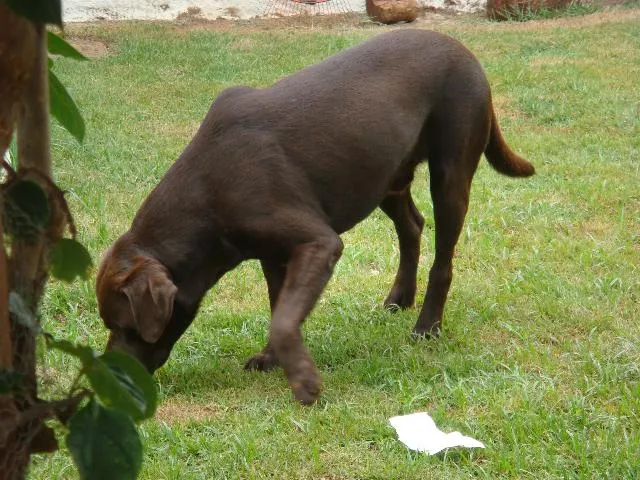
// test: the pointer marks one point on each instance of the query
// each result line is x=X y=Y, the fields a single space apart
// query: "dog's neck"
x=194 y=264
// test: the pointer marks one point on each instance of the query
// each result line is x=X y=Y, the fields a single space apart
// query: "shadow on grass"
x=357 y=346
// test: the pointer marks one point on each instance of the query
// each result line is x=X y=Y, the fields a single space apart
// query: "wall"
x=90 y=10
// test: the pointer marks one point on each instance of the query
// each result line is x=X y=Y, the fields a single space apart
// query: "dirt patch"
x=320 y=22
x=504 y=109
x=180 y=130
x=596 y=229
x=181 y=413
x=89 y=47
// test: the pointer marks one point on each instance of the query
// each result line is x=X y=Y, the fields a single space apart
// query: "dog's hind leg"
x=274 y=273
x=408 y=222
x=457 y=142
x=450 y=195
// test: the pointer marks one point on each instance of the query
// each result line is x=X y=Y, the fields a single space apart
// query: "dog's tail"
x=501 y=157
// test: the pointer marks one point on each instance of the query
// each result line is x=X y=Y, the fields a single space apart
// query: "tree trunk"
x=9 y=418
x=25 y=271
x=17 y=54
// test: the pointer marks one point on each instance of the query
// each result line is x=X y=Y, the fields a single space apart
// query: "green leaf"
x=69 y=259
x=21 y=312
x=119 y=380
x=123 y=384
x=10 y=381
x=26 y=209
x=82 y=352
x=64 y=108
x=59 y=46
x=135 y=378
x=104 y=443
x=42 y=11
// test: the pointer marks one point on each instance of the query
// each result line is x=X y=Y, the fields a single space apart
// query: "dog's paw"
x=425 y=334
x=307 y=389
x=263 y=362
x=398 y=300
x=392 y=307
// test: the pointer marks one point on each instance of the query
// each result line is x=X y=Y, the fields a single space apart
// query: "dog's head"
x=136 y=300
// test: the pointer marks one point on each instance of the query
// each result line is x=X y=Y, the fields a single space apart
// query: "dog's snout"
x=149 y=355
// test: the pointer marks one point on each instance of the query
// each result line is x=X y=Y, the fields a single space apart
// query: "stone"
x=392 y=11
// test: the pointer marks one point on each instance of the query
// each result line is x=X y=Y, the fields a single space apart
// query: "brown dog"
x=279 y=173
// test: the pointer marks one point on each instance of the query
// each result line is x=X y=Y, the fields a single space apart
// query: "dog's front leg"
x=308 y=270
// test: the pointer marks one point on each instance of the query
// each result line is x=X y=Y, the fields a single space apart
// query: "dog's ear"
x=151 y=294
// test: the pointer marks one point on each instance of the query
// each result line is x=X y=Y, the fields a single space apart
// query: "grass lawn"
x=540 y=353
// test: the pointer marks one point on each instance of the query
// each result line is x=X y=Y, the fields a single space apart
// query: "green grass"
x=527 y=11
x=540 y=354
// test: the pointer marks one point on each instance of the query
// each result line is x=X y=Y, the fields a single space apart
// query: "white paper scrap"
x=418 y=432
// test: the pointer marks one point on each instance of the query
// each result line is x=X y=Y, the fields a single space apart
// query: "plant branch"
x=60 y=206
x=61 y=409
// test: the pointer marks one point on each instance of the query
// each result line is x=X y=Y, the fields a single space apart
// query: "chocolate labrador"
x=278 y=173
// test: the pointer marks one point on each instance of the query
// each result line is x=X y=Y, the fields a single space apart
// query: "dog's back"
x=346 y=128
